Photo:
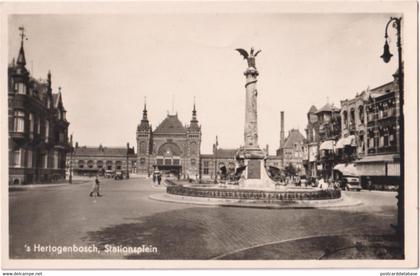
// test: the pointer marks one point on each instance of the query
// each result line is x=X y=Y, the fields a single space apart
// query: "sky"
x=108 y=64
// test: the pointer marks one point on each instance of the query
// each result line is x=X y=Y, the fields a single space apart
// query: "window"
x=206 y=163
x=371 y=143
x=167 y=161
x=142 y=147
x=193 y=161
x=20 y=88
x=345 y=118
x=16 y=158
x=118 y=165
x=381 y=141
x=386 y=140
x=38 y=126
x=81 y=164
x=47 y=130
x=19 y=121
x=361 y=115
x=160 y=161
x=142 y=161
x=56 y=155
x=31 y=125
x=352 y=117
x=44 y=161
x=176 y=162
x=29 y=159
x=205 y=171
x=109 y=165
x=90 y=164
x=381 y=114
x=193 y=148
x=99 y=164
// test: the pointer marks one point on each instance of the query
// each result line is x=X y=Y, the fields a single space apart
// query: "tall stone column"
x=251 y=122
x=251 y=157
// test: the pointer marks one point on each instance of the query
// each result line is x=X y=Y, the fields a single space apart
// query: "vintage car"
x=350 y=183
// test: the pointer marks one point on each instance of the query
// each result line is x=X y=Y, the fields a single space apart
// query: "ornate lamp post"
x=386 y=56
x=215 y=160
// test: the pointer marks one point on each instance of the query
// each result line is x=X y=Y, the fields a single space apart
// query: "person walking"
x=95 y=188
x=159 y=178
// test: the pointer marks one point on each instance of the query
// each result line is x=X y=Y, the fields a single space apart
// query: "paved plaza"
x=126 y=217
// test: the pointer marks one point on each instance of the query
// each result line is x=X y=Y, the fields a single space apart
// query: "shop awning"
x=327 y=145
x=379 y=158
x=348 y=170
x=346 y=141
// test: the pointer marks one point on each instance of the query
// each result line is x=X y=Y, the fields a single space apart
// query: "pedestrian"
x=154 y=177
x=159 y=178
x=95 y=188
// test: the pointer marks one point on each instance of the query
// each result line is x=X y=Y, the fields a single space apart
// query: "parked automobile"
x=350 y=183
x=109 y=173
x=119 y=175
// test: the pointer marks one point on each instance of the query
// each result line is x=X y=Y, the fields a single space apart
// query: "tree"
x=290 y=170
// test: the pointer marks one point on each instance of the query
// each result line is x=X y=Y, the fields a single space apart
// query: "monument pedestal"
x=255 y=175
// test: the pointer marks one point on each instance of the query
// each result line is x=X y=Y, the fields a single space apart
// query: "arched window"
x=109 y=165
x=345 y=119
x=19 y=121
x=361 y=114
x=193 y=148
x=99 y=164
x=352 y=116
x=81 y=164
x=90 y=164
x=142 y=147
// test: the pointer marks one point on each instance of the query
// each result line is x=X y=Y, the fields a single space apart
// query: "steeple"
x=194 y=114
x=21 y=60
x=144 y=124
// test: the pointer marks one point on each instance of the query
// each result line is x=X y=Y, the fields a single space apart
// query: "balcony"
x=18 y=136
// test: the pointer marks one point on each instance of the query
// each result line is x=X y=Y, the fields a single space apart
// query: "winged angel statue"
x=250 y=58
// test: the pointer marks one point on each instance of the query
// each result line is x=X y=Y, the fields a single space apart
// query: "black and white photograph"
x=215 y=133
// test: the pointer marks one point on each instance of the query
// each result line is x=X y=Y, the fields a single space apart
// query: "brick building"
x=38 y=128
x=92 y=160
x=171 y=147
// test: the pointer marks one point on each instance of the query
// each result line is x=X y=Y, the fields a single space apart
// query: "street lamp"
x=215 y=161
x=386 y=56
x=128 y=147
x=71 y=160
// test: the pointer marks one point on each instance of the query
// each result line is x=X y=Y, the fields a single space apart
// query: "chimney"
x=266 y=149
x=77 y=145
x=281 y=129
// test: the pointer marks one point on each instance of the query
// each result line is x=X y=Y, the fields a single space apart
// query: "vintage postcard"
x=209 y=135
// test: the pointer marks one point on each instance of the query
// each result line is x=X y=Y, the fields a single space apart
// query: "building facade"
x=172 y=147
x=381 y=161
x=38 y=128
x=89 y=161
x=322 y=131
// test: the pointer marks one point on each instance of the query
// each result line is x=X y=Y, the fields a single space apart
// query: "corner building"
x=38 y=128
x=171 y=147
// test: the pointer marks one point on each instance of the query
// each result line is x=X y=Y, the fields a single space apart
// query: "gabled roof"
x=294 y=137
x=226 y=153
x=170 y=125
x=312 y=109
x=328 y=108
